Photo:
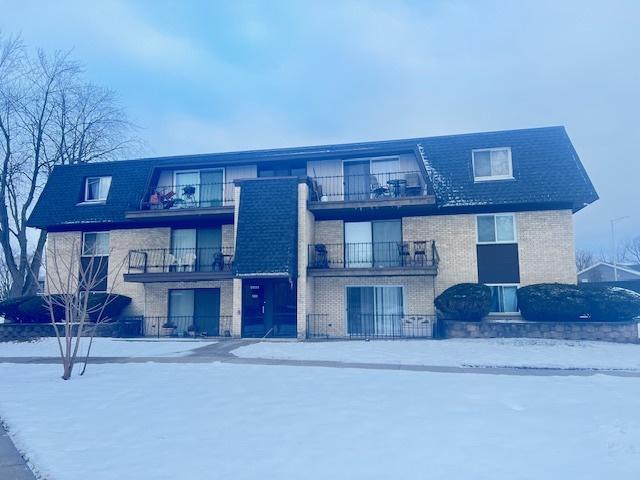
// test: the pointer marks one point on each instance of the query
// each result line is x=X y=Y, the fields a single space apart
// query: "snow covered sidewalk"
x=197 y=421
x=106 y=347
x=516 y=353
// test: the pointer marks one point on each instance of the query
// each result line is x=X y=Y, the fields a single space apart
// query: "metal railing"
x=198 y=195
x=374 y=186
x=171 y=260
x=365 y=326
x=415 y=254
x=187 y=326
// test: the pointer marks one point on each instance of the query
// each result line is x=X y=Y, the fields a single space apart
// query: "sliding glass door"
x=194 y=311
x=196 y=249
x=373 y=244
x=374 y=311
x=357 y=180
x=211 y=188
x=199 y=188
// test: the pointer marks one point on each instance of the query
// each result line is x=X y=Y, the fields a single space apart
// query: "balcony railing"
x=172 y=260
x=374 y=186
x=199 y=195
x=372 y=325
x=187 y=326
x=416 y=254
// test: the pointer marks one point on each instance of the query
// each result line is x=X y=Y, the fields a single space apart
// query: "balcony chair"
x=403 y=253
x=413 y=186
x=188 y=262
x=218 y=262
x=321 y=259
x=377 y=190
x=170 y=262
x=420 y=252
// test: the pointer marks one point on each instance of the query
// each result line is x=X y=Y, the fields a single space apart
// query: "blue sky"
x=204 y=76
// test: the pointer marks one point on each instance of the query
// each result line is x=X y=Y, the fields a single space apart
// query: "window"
x=199 y=188
x=363 y=177
x=499 y=228
x=492 y=164
x=94 y=261
x=96 y=189
x=503 y=298
x=373 y=244
x=374 y=310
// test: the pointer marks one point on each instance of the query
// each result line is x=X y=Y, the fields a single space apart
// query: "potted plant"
x=169 y=324
x=191 y=329
x=188 y=192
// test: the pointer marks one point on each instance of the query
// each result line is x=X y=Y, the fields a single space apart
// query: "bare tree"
x=67 y=297
x=632 y=250
x=584 y=259
x=48 y=117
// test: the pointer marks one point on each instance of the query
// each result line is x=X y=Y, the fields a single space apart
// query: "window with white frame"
x=496 y=228
x=96 y=189
x=492 y=164
x=504 y=298
x=94 y=261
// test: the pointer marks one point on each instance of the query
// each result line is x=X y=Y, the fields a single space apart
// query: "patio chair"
x=403 y=253
x=188 y=262
x=170 y=262
x=420 y=252
x=377 y=190
x=413 y=186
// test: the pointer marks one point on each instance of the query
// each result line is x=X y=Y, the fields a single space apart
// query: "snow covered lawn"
x=199 y=421
x=513 y=352
x=105 y=347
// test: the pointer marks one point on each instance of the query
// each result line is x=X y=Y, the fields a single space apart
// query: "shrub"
x=611 y=304
x=465 y=301
x=10 y=309
x=34 y=308
x=552 y=302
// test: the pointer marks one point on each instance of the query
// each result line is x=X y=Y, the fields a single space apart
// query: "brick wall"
x=623 y=332
x=546 y=247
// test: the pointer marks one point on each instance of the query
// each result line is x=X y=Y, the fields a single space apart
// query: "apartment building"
x=325 y=241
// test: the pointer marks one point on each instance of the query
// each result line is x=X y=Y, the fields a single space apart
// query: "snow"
x=105 y=347
x=195 y=421
x=513 y=352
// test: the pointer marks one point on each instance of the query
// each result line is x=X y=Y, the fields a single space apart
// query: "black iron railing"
x=172 y=260
x=420 y=253
x=359 y=325
x=374 y=186
x=198 y=195
x=187 y=326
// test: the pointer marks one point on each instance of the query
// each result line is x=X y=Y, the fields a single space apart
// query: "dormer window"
x=492 y=164
x=96 y=189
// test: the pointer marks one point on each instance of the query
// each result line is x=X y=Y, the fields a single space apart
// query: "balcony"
x=369 y=259
x=181 y=264
x=171 y=201
x=389 y=190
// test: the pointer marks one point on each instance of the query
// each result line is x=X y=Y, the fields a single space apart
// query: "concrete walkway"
x=222 y=352
x=12 y=465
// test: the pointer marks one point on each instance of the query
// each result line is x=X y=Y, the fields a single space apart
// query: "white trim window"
x=496 y=228
x=504 y=298
x=96 y=189
x=492 y=164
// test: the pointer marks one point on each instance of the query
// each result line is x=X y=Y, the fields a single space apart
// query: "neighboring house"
x=333 y=240
x=606 y=272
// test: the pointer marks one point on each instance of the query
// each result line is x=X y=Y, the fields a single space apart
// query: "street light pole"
x=613 y=245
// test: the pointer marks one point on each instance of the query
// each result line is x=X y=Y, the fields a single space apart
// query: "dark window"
x=498 y=263
x=282 y=170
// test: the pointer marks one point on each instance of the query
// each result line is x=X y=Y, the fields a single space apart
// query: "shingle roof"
x=546 y=168
x=267 y=230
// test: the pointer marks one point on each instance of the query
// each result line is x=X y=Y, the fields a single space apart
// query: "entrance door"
x=269 y=308
x=253 y=307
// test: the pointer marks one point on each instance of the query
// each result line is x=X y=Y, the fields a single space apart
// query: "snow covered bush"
x=465 y=301
x=552 y=302
x=34 y=308
x=611 y=304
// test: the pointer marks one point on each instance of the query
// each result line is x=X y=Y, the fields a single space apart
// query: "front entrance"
x=269 y=308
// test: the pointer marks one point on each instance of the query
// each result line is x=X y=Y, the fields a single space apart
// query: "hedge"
x=34 y=308
x=566 y=302
x=465 y=301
